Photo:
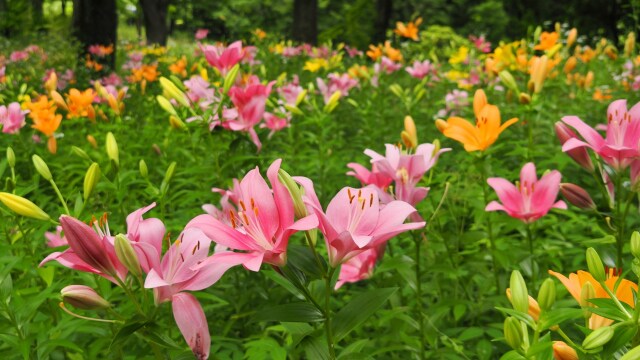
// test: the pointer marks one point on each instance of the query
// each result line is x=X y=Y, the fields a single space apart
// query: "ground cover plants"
x=262 y=199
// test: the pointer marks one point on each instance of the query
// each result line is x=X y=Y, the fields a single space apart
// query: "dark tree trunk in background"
x=155 y=20
x=96 y=22
x=383 y=12
x=36 y=13
x=305 y=21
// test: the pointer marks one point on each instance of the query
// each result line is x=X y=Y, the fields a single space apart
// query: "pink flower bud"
x=83 y=297
x=579 y=155
x=87 y=245
x=577 y=196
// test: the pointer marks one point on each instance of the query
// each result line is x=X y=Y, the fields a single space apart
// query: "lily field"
x=429 y=197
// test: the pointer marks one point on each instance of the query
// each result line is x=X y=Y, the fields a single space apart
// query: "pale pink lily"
x=12 y=118
x=530 y=199
x=146 y=237
x=89 y=251
x=263 y=223
x=250 y=103
x=199 y=91
x=275 y=122
x=201 y=34
x=56 y=239
x=420 y=69
x=374 y=177
x=192 y=323
x=620 y=147
x=356 y=221
x=359 y=267
x=223 y=58
x=290 y=91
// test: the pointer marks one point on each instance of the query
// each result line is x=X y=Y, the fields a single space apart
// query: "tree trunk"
x=383 y=11
x=155 y=21
x=305 y=21
x=96 y=22
x=36 y=14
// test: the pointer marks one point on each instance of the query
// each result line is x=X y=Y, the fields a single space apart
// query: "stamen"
x=181 y=257
x=244 y=208
x=246 y=219
x=233 y=219
x=371 y=200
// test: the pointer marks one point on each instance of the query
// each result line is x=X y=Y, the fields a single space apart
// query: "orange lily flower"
x=574 y=284
x=79 y=103
x=145 y=72
x=179 y=67
x=393 y=54
x=547 y=40
x=374 y=52
x=410 y=30
x=534 y=308
x=486 y=131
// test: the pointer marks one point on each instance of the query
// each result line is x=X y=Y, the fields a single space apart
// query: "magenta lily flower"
x=89 y=251
x=192 y=323
x=374 y=177
x=620 y=146
x=262 y=224
x=530 y=199
x=223 y=58
x=250 y=103
x=356 y=221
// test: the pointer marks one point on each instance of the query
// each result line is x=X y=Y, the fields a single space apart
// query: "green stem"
x=327 y=314
x=566 y=338
x=485 y=192
x=530 y=240
x=64 y=203
x=615 y=299
x=418 y=242
x=620 y=220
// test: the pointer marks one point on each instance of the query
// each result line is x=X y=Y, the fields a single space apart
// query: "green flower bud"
x=635 y=244
x=633 y=354
x=594 y=264
x=173 y=91
x=587 y=292
x=91 y=179
x=333 y=102
x=81 y=153
x=126 y=254
x=112 y=148
x=547 y=294
x=166 y=105
x=513 y=333
x=41 y=167
x=519 y=294
x=22 y=206
x=598 y=338
x=507 y=79
x=230 y=78
x=11 y=157
x=300 y=209
x=170 y=171
x=144 y=171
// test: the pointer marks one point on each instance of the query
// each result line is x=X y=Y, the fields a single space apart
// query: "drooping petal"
x=587 y=132
x=192 y=323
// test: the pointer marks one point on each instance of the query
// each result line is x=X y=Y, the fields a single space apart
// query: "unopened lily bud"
x=166 y=105
x=507 y=79
x=333 y=102
x=11 y=157
x=594 y=264
x=519 y=295
x=579 y=155
x=81 y=153
x=52 y=82
x=586 y=293
x=572 y=36
x=22 y=206
x=396 y=90
x=301 y=97
x=91 y=179
x=553 y=50
x=633 y=354
x=513 y=333
x=299 y=208
x=113 y=103
x=92 y=141
x=588 y=80
x=112 y=148
x=293 y=109
x=230 y=79
x=577 y=196
x=547 y=294
x=170 y=171
x=127 y=255
x=570 y=64
x=41 y=167
x=83 y=297
x=409 y=135
x=524 y=98
x=539 y=73
x=598 y=338
x=174 y=93
x=58 y=100
x=562 y=351
x=635 y=244
x=630 y=44
x=534 y=308
x=144 y=171
x=176 y=123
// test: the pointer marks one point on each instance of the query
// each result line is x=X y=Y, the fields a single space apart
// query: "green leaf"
x=46 y=273
x=295 y=312
x=354 y=348
x=302 y=258
x=512 y=355
x=557 y=316
x=126 y=331
x=358 y=310
x=518 y=315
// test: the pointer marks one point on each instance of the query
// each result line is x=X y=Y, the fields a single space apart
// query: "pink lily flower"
x=56 y=239
x=263 y=223
x=386 y=65
x=290 y=91
x=359 y=267
x=420 y=69
x=374 y=177
x=201 y=34
x=275 y=123
x=146 y=237
x=250 y=103
x=223 y=58
x=620 y=147
x=530 y=199
x=192 y=323
x=355 y=220
x=12 y=118
x=89 y=251
x=579 y=154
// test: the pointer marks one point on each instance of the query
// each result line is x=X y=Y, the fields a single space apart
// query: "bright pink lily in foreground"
x=262 y=224
x=530 y=199
x=223 y=58
x=88 y=251
x=620 y=147
x=356 y=221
